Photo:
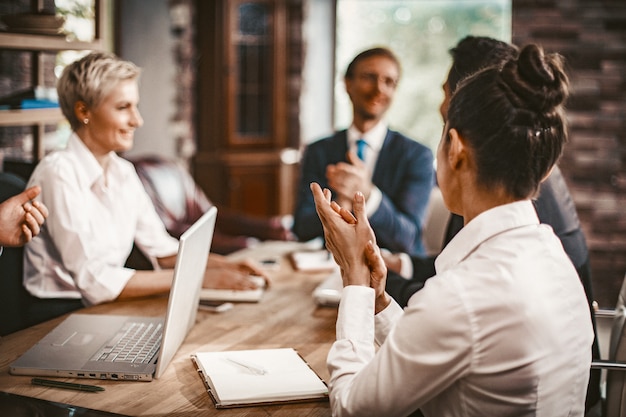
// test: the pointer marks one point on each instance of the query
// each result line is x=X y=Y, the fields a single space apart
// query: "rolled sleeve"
x=97 y=291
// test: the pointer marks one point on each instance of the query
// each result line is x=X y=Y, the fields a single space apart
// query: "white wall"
x=316 y=101
x=146 y=40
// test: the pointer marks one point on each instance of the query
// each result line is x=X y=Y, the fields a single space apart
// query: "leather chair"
x=614 y=401
x=179 y=201
x=13 y=295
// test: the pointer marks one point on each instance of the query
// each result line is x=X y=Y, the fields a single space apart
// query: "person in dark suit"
x=503 y=329
x=554 y=204
x=394 y=172
x=21 y=219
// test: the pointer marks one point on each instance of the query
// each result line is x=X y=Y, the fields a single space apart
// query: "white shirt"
x=375 y=137
x=94 y=219
x=503 y=329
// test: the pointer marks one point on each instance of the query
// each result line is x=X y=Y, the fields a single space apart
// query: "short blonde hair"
x=90 y=79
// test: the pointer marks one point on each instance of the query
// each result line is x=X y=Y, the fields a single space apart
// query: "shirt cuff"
x=373 y=202
x=406 y=266
x=386 y=320
x=355 y=309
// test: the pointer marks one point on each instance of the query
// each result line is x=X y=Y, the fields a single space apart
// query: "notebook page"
x=286 y=376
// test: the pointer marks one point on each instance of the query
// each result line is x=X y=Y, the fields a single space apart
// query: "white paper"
x=317 y=260
x=287 y=376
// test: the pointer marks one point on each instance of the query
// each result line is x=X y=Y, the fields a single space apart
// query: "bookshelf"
x=43 y=43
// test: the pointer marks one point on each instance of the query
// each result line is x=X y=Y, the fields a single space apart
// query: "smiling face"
x=111 y=124
x=372 y=87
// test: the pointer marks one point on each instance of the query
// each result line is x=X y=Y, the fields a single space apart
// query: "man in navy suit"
x=395 y=173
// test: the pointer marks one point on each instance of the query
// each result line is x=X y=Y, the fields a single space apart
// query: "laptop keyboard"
x=135 y=343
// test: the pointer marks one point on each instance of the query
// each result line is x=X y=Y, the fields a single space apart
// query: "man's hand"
x=392 y=261
x=346 y=179
x=21 y=218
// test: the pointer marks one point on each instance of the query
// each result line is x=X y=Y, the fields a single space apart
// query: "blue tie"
x=361 y=147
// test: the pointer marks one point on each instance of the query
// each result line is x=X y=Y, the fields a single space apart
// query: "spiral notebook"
x=243 y=378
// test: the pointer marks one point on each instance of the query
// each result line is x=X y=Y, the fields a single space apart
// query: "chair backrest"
x=179 y=201
x=615 y=405
x=13 y=296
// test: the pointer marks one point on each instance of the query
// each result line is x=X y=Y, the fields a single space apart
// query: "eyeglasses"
x=373 y=78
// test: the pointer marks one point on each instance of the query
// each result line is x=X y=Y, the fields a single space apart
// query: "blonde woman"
x=98 y=206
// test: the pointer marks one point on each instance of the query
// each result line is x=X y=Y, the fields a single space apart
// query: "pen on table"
x=66 y=385
x=252 y=367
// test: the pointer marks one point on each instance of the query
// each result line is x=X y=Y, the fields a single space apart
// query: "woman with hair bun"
x=503 y=328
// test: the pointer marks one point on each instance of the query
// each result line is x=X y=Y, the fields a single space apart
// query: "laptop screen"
x=193 y=253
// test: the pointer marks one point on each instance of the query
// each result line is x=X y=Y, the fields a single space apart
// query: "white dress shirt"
x=503 y=329
x=375 y=137
x=94 y=218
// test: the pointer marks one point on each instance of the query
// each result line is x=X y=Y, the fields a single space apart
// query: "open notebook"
x=242 y=378
x=90 y=345
x=317 y=260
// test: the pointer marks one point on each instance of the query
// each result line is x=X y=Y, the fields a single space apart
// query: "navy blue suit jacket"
x=403 y=173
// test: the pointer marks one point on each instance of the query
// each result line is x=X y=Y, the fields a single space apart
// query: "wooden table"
x=286 y=317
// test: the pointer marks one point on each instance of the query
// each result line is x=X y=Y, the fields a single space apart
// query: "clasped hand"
x=21 y=218
x=352 y=242
x=346 y=179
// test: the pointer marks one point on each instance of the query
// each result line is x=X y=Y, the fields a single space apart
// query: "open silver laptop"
x=88 y=345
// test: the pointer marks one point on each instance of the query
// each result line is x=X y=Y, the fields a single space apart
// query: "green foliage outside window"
x=420 y=32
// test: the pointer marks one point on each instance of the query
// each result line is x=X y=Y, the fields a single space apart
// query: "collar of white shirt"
x=483 y=227
x=88 y=163
x=374 y=137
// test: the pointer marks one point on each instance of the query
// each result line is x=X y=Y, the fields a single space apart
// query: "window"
x=420 y=32
x=253 y=43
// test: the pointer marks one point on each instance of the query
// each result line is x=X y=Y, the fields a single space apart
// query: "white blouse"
x=503 y=329
x=94 y=218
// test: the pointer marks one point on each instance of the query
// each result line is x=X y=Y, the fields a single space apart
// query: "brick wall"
x=591 y=35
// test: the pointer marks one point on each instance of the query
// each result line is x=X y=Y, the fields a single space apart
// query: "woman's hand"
x=228 y=279
x=378 y=276
x=224 y=274
x=347 y=237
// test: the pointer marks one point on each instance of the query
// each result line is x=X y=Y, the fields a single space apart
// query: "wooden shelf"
x=26 y=42
x=39 y=43
x=30 y=117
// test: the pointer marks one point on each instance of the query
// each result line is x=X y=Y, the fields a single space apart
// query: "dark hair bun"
x=536 y=81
